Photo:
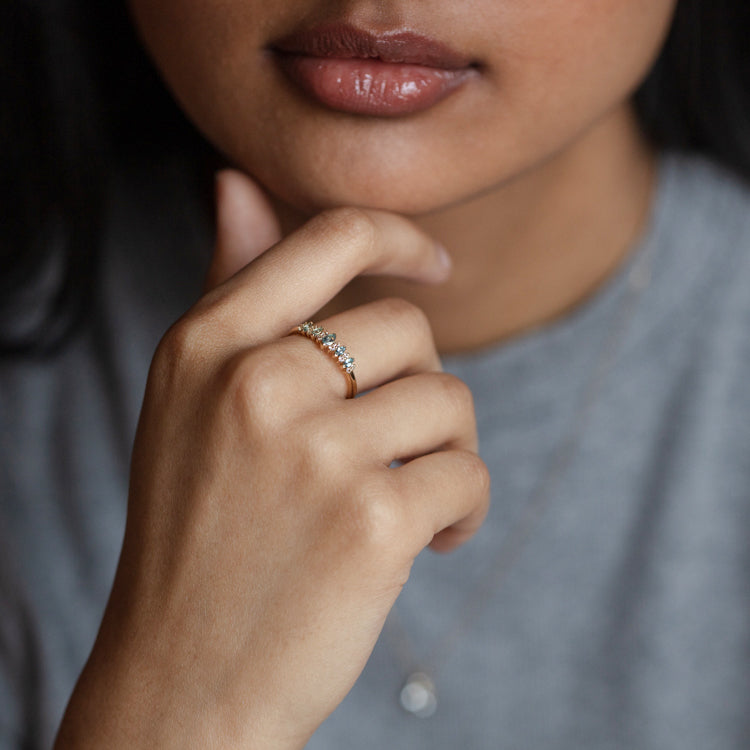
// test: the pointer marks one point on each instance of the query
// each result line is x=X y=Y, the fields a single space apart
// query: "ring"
x=327 y=343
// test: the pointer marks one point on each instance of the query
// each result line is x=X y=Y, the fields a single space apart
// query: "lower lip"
x=372 y=87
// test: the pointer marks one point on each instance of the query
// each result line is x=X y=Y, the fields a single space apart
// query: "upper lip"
x=344 y=40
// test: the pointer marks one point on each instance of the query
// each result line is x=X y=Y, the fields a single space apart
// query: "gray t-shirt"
x=606 y=601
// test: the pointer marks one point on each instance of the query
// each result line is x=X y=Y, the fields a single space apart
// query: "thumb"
x=246 y=225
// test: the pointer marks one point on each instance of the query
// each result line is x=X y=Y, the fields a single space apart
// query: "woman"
x=469 y=179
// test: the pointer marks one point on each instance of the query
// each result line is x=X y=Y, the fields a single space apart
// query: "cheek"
x=562 y=64
x=188 y=41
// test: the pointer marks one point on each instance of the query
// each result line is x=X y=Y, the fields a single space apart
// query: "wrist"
x=125 y=700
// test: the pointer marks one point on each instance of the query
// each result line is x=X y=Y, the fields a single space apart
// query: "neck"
x=530 y=250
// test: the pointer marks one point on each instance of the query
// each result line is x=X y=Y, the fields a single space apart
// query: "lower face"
x=455 y=98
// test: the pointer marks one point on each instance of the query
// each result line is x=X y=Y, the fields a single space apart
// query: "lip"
x=389 y=74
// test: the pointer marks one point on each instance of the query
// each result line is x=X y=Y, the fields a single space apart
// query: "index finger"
x=301 y=273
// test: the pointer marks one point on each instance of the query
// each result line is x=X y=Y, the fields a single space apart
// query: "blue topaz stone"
x=327 y=343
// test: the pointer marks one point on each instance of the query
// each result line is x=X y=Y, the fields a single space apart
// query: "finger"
x=246 y=225
x=415 y=415
x=304 y=271
x=392 y=336
x=388 y=338
x=451 y=495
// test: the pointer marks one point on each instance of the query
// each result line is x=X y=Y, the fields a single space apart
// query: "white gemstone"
x=418 y=696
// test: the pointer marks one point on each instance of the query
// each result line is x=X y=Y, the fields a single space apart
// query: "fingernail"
x=444 y=257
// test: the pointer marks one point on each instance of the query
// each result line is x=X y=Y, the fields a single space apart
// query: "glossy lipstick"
x=382 y=75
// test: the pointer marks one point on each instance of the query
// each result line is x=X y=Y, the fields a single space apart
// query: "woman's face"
x=461 y=96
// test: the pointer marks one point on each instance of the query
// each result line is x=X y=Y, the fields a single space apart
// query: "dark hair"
x=79 y=98
x=697 y=95
x=70 y=75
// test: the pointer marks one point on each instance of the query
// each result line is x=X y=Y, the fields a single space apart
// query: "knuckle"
x=323 y=447
x=408 y=316
x=354 y=226
x=183 y=345
x=373 y=521
x=456 y=395
x=477 y=474
x=364 y=512
x=252 y=381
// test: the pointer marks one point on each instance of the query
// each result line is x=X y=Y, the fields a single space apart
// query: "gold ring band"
x=327 y=343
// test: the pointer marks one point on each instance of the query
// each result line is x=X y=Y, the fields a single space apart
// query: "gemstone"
x=340 y=350
x=418 y=696
x=328 y=339
x=318 y=332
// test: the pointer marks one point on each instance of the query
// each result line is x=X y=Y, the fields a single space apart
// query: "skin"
x=267 y=535
x=541 y=144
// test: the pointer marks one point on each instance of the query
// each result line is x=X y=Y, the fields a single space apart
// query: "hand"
x=267 y=536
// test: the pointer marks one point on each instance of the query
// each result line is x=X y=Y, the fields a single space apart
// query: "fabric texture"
x=624 y=620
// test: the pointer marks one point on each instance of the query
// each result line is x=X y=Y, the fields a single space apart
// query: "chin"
x=311 y=199
x=412 y=192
